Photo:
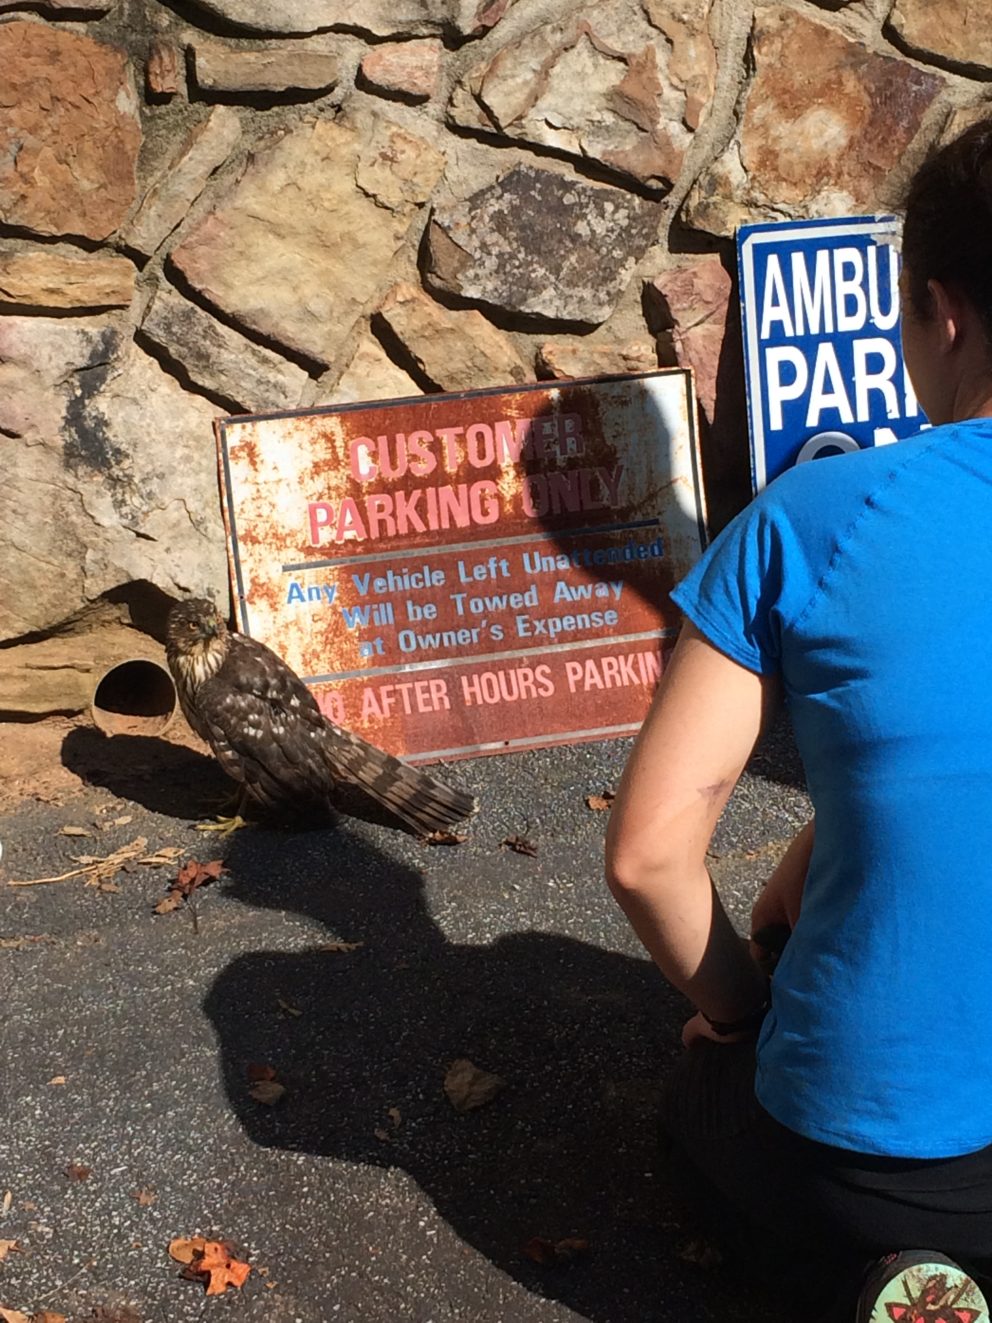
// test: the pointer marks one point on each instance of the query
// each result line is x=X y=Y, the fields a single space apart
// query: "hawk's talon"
x=223 y=826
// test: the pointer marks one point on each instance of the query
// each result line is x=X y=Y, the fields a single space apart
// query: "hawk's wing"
x=264 y=726
x=268 y=733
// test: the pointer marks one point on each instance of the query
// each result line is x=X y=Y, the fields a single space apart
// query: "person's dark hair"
x=947 y=230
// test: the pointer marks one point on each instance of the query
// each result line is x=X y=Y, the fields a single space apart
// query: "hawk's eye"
x=191 y=625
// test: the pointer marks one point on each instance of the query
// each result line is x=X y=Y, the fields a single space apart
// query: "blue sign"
x=822 y=352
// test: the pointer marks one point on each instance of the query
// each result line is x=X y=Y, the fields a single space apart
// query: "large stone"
x=111 y=473
x=563 y=359
x=303 y=243
x=454 y=350
x=406 y=70
x=825 y=123
x=162 y=69
x=964 y=117
x=380 y=18
x=605 y=83
x=183 y=179
x=542 y=244
x=371 y=375
x=291 y=66
x=82 y=7
x=69 y=132
x=692 y=65
x=954 y=30
x=687 y=306
x=50 y=278
x=219 y=359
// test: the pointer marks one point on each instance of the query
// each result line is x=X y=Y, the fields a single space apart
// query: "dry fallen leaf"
x=122 y=822
x=383 y=1135
x=97 y=869
x=340 y=946
x=191 y=876
x=162 y=858
x=210 y=1261
x=144 y=1197
x=77 y=1172
x=74 y=831
x=8 y=1199
x=168 y=903
x=285 y=1006
x=468 y=1087
x=394 y=1115
x=265 y=1088
x=599 y=803
x=445 y=838
x=520 y=844
x=48 y=1316
x=700 y=1252
x=13 y=1316
x=6 y=1246
x=23 y=943
x=551 y=1253
x=184 y=1249
x=267 y=1091
x=57 y=1079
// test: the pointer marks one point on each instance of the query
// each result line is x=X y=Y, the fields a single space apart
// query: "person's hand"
x=699 y=1027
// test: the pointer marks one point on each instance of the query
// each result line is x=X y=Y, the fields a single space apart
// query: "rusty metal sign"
x=474 y=573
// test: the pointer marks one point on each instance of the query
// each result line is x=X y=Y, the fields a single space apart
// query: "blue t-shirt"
x=865 y=580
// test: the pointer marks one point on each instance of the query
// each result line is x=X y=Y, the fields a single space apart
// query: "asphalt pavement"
x=354 y=964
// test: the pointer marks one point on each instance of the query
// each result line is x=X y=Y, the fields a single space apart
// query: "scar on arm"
x=718 y=790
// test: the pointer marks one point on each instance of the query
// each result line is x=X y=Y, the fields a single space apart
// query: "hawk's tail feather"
x=418 y=799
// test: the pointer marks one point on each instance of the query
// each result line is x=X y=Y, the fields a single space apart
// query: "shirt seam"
x=722 y=638
x=844 y=540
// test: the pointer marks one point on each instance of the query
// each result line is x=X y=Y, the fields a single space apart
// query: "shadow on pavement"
x=162 y=776
x=580 y=1035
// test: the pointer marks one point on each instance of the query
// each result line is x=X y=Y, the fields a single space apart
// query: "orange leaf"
x=77 y=1172
x=551 y=1253
x=258 y=1072
x=184 y=1249
x=267 y=1091
x=445 y=838
x=13 y=1316
x=600 y=803
x=210 y=1261
x=47 y=1316
x=222 y=1270
x=186 y=874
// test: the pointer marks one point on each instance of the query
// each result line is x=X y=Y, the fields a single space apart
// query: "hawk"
x=267 y=732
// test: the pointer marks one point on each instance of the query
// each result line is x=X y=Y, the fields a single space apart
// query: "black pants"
x=802 y=1216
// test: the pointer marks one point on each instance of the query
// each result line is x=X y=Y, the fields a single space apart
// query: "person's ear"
x=948 y=315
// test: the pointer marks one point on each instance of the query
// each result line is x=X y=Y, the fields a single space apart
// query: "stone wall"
x=212 y=206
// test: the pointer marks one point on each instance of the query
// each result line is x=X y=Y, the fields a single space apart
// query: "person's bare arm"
x=699 y=733
x=779 y=902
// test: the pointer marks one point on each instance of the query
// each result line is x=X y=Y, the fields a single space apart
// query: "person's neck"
x=972 y=397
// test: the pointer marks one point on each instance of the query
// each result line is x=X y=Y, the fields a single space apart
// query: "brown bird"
x=268 y=733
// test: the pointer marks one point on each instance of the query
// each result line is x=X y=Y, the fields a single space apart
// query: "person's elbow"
x=636 y=866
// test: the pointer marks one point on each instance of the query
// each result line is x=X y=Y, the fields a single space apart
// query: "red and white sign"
x=474 y=573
